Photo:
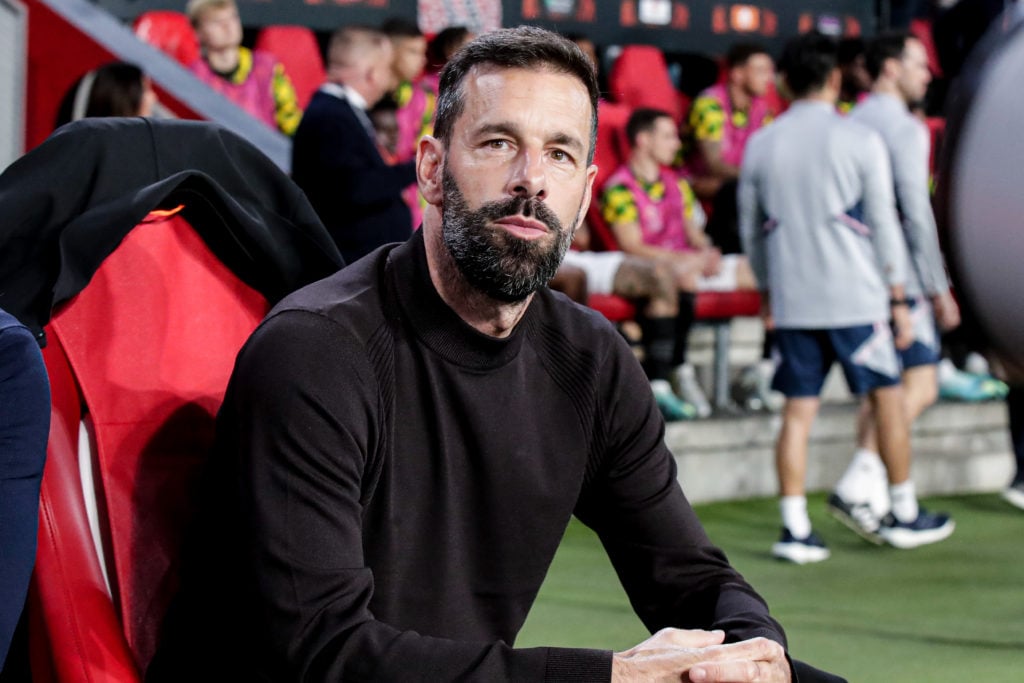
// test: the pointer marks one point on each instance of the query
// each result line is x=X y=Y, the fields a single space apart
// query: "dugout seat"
x=297 y=49
x=169 y=31
x=639 y=78
x=138 y=364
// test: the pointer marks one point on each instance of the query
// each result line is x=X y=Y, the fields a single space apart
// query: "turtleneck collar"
x=435 y=323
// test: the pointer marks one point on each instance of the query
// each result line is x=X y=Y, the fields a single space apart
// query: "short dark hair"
x=398 y=27
x=883 y=47
x=807 y=61
x=740 y=53
x=642 y=121
x=525 y=47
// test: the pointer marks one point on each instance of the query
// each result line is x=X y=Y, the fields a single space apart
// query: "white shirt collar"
x=345 y=92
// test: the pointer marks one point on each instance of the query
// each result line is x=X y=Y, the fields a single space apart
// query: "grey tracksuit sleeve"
x=879 y=214
x=818 y=219
x=907 y=143
x=752 y=225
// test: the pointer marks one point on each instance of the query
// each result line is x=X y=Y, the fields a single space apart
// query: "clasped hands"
x=697 y=656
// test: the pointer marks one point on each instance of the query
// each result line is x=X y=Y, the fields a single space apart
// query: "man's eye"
x=497 y=144
x=560 y=155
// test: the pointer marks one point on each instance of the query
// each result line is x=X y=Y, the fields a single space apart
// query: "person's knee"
x=800 y=411
x=686 y=280
x=920 y=387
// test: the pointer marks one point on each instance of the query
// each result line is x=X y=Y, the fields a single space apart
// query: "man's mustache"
x=525 y=206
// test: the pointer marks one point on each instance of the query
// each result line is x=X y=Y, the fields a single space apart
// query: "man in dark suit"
x=335 y=159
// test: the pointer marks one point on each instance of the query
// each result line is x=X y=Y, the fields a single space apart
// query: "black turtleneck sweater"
x=391 y=487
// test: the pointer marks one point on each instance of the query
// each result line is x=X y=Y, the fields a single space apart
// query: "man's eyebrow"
x=512 y=130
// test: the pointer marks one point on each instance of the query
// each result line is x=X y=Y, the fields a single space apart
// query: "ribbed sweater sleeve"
x=673 y=574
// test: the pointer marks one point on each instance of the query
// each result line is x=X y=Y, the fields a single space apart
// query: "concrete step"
x=958 y=448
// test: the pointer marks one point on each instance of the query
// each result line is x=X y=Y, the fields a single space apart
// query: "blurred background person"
x=655 y=215
x=335 y=155
x=253 y=80
x=115 y=89
x=415 y=97
x=443 y=46
x=898 y=65
x=812 y=183
x=722 y=119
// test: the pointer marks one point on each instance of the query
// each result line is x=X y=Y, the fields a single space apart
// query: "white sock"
x=794 y=515
x=856 y=484
x=904 y=501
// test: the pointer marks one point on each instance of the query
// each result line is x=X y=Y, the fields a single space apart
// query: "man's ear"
x=588 y=193
x=429 y=169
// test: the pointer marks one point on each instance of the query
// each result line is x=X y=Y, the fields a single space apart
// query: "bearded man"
x=403 y=444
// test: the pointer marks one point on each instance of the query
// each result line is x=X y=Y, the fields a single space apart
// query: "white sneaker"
x=800 y=550
x=929 y=527
x=684 y=379
x=753 y=388
x=1014 y=495
x=976 y=364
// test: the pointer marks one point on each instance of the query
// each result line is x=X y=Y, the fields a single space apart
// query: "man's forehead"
x=484 y=83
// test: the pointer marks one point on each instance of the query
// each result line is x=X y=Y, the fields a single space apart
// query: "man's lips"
x=522 y=227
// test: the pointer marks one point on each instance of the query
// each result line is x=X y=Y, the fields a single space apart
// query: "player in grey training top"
x=898 y=65
x=818 y=221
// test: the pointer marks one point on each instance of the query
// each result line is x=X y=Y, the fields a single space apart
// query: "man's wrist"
x=894 y=302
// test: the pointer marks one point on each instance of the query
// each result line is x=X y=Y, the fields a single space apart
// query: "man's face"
x=515 y=179
x=381 y=79
x=219 y=28
x=914 y=76
x=663 y=141
x=757 y=74
x=410 y=57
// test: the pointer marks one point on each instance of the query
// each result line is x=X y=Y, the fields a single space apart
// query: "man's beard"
x=500 y=265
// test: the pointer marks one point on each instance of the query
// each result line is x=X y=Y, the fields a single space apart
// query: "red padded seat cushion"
x=613 y=307
x=724 y=305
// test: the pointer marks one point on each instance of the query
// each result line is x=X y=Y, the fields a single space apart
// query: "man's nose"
x=528 y=177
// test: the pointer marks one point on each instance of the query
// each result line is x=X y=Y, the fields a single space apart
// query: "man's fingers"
x=688 y=638
x=759 y=659
x=730 y=672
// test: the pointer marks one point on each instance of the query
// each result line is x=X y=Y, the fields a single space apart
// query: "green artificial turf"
x=953 y=611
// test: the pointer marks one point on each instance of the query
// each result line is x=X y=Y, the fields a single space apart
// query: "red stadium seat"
x=922 y=30
x=639 y=78
x=297 y=49
x=145 y=352
x=613 y=307
x=612 y=145
x=169 y=31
